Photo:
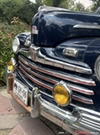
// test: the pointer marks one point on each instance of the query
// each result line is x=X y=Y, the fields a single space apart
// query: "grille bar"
x=38 y=82
x=67 y=77
x=35 y=80
x=88 y=120
x=93 y=118
x=54 y=81
x=83 y=99
x=89 y=125
x=37 y=75
x=93 y=123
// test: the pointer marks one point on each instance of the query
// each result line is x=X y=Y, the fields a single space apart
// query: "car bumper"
x=79 y=121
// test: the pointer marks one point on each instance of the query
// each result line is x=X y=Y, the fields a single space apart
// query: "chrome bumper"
x=72 y=122
x=79 y=121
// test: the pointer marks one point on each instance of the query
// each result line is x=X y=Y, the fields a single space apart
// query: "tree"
x=96 y=4
x=10 y=8
x=79 y=7
x=26 y=12
x=23 y=9
x=68 y=4
x=54 y=3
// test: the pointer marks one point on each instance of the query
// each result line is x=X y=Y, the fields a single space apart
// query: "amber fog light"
x=11 y=65
x=62 y=94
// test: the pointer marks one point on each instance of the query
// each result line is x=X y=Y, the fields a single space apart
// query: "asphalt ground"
x=14 y=120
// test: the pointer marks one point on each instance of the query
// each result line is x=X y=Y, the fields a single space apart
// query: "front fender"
x=92 y=52
x=22 y=37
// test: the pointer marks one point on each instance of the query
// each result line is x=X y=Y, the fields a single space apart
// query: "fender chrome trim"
x=37 y=56
x=87 y=26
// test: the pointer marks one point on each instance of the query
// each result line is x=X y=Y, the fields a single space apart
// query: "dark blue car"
x=56 y=69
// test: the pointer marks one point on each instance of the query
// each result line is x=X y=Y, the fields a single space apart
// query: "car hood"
x=55 y=26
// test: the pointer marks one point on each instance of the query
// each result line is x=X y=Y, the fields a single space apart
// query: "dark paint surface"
x=56 y=32
x=55 y=26
x=88 y=55
x=89 y=50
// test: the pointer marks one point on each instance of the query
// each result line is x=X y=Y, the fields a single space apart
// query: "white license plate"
x=20 y=91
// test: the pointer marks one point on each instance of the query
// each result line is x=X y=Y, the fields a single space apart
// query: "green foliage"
x=27 y=11
x=68 y=4
x=24 y=9
x=10 y=8
x=79 y=7
x=96 y=4
x=7 y=34
x=54 y=3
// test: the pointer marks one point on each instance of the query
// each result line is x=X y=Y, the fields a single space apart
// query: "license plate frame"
x=21 y=91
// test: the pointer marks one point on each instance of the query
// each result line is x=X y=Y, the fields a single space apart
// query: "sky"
x=86 y=3
x=32 y=0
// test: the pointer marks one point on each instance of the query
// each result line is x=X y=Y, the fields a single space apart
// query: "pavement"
x=14 y=120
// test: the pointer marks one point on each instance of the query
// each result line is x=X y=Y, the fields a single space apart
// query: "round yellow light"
x=61 y=95
x=10 y=66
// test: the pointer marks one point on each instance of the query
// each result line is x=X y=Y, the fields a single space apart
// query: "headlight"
x=97 y=68
x=62 y=94
x=15 y=45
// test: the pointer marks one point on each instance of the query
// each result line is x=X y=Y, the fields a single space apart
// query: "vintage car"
x=56 y=69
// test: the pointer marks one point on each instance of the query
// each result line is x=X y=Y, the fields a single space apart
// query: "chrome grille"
x=47 y=78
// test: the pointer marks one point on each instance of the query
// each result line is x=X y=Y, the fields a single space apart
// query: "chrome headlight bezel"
x=97 y=68
x=28 y=41
x=15 y=45
x=67 y=89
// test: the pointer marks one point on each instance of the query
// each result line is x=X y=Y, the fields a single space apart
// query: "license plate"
x=20 y=91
